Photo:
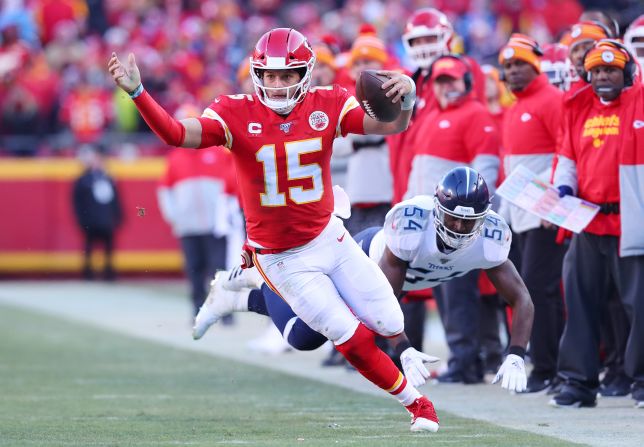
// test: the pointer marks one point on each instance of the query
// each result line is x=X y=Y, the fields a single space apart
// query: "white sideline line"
x=155 y=313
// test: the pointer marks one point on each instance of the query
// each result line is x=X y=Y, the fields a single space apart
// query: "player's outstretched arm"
x=401 y=89
x=509 y=284
x=184 y=133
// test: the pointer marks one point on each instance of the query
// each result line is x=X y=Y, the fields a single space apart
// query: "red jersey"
x=283 y=161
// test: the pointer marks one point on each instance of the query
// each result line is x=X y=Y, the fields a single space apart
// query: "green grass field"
x=65 y=384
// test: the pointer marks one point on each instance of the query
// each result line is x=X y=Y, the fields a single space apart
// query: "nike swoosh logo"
x=341 y=238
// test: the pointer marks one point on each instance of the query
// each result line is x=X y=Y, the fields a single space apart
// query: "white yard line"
x=154 y=312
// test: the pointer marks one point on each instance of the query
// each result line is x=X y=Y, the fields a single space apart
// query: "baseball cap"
x=448 y=66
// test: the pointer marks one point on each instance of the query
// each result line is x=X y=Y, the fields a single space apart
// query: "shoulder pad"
x=405 y=227
x=497 y=238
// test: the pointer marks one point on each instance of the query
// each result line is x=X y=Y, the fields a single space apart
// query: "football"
x=372 y=97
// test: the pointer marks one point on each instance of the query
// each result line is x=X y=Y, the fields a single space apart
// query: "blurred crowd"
x=54 y=89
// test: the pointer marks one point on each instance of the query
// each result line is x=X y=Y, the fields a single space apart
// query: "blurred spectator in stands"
x=50 y=14
x=97 y=208
x=87 y=110
x=530 y=130
x=14 y=14
x=325 y=68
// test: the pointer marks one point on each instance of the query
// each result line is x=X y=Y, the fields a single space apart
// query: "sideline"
x=157 y=311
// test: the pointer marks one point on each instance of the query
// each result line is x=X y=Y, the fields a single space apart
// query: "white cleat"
x=219 y=302
x=238 y=278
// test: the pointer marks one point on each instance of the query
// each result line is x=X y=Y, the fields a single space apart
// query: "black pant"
x=106 y=237
x=614 y=330
x=459 y=306
x=203 y=255
x=541 y=265
x=592 y=268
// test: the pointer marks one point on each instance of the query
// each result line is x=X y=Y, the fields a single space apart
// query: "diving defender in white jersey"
x=425 y=241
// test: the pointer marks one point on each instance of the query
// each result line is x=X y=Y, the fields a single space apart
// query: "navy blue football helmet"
x=461 y=203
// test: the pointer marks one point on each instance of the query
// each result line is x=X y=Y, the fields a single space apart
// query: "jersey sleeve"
x=497 y=239
x=214 y=129
x=404 y=229
x=351 y=116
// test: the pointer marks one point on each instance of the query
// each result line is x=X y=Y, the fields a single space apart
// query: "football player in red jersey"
x=281 y=140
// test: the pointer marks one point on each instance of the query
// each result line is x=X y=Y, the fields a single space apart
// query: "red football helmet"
x=634 y=39
x=556 y=65
x=282 y=49
x=427 y=22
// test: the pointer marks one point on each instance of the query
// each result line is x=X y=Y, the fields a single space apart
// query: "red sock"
x=376 y=366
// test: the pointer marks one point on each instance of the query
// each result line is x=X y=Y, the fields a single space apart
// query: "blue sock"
x=301 y=336
x=256 y=302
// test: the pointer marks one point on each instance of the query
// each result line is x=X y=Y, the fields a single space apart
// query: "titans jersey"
x=410 y=234
x=283 y=162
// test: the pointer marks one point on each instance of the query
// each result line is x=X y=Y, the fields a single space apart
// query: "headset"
x=629 y=68
x=467 y=77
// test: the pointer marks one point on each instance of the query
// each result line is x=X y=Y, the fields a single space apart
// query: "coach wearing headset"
x=530 y=130
x=602 y=160
x=457 y=130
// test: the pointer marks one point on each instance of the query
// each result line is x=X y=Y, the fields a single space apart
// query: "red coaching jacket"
x=602 y=158
x=530 y=130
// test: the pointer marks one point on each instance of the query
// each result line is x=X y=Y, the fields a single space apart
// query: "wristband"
x=409 y=99
x=517 y=350
x=137 y=91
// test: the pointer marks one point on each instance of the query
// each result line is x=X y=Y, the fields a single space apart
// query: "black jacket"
x=96 y=202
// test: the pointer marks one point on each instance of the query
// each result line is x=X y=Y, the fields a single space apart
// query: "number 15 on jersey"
x=295 y=170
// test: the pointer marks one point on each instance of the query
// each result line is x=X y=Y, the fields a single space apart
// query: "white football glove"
x=513 y=373
x=412 y=363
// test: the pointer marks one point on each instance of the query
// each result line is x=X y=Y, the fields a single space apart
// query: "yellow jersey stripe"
x=211 y=114
x=350 y=104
